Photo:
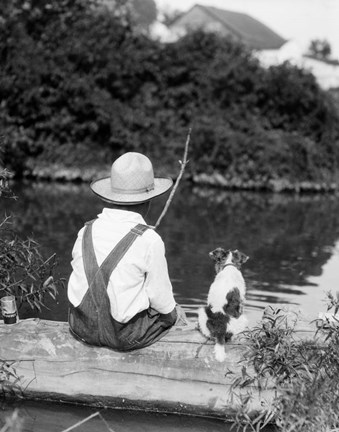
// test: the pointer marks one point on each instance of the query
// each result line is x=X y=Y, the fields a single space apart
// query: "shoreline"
x=58 y=173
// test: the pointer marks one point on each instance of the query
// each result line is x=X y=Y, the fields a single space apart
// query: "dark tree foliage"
x=145 y=11
x=80 y=85
x=320 y=48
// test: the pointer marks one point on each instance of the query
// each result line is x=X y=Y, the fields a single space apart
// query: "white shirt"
x=140 y=279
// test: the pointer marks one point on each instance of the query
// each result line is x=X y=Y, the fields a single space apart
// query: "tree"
x=144 y=11
x=320 y=49
x=169 y=16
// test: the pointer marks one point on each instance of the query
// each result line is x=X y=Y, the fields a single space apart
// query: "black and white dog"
x=223 y=316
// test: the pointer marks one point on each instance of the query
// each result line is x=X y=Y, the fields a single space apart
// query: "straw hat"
x=131 y=182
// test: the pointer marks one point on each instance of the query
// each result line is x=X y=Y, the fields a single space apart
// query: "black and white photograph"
x=169 y=215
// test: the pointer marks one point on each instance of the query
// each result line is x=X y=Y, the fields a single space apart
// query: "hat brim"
x=102 y=188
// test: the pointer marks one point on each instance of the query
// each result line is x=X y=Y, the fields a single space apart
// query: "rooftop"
x=251 y=31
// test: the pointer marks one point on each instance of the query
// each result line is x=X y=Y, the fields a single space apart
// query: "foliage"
x=170 y=15
x=5 y=190
x=9 y=380
x=304 y=373
x=79 y=84
x=24 y=273
x=27 y=276
x=145 y=12
x=320 y=48
x=5 y=175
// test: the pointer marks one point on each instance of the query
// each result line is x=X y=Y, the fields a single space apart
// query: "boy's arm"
x=158 y=285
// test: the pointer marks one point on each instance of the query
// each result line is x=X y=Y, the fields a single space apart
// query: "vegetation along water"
x=69 y=104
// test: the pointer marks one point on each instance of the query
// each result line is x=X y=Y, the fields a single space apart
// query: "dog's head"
x=238 y=258
x=221 y=257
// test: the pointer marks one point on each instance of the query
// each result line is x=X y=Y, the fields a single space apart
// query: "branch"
x=86 y=420
x=183 y=164
x=81 y=422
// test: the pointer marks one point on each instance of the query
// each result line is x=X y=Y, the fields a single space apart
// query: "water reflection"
x=289 y=239
x=42 y=417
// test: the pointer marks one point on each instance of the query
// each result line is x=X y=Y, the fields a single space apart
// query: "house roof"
x=251 y=31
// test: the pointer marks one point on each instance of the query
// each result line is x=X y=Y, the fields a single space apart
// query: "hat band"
x=148 y=188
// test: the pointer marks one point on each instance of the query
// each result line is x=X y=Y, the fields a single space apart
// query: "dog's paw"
x=219 y=352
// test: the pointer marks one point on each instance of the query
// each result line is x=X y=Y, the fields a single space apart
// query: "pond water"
x=292 y=241
x=47 y=417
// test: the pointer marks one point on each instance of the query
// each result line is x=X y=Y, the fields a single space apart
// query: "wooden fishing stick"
x=183 y=164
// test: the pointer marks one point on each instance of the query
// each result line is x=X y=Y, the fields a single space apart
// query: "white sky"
x=300 y=20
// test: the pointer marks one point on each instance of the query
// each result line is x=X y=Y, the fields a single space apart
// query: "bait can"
x=9 y=310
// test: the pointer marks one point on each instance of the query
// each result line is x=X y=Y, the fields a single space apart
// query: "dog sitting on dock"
x=223 y=316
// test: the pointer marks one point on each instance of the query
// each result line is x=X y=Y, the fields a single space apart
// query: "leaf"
x=48 y=281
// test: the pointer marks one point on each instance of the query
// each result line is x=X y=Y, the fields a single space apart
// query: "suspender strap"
x=88 y=255
x=92 y=268
x=119 y=251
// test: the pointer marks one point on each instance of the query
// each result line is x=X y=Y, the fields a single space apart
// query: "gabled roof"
x=251 y=31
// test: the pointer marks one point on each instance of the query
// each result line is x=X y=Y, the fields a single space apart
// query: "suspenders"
x=92 y=322
x=100 y=275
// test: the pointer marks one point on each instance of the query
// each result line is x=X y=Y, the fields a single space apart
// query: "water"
x=38 y=417
x=292 y=241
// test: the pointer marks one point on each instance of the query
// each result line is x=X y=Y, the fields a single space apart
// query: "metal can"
x=9 y=309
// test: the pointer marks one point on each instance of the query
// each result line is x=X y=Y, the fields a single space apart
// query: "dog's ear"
x=218 y=254
x=239 y=258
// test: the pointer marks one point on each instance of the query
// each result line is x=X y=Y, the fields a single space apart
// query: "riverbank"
x=59 y=173
x=253 y=128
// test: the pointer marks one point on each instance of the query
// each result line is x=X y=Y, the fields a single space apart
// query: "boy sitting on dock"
x=119 y=291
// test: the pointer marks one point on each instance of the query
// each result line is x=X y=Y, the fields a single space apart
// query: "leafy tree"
x=170 y=15
x=77 y=81
x=145 y=12
x=320 y=49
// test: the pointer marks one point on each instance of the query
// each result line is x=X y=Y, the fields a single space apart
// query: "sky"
x=298 y=20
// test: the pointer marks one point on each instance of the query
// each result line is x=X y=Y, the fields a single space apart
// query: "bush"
x=78 y=81
x=304 y=374
x=24 y=273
